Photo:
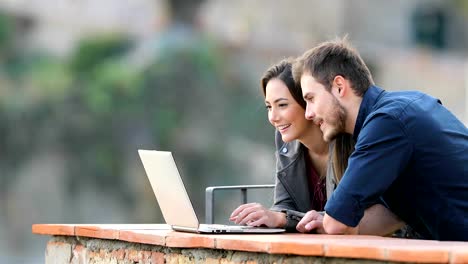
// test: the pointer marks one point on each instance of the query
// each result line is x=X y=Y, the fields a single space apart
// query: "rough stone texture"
x=79 y=255
x=58 y=252
x=77 y=250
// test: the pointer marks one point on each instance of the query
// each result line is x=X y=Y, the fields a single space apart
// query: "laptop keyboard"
x=216 y=226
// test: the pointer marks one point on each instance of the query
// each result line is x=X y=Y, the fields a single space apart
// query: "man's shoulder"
x=398 y=100
x=416 y=114
x=403 y=104
x=392 y=111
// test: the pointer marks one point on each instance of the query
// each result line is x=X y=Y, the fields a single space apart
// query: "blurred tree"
x=184 y=11
x=97 y=108
x=103 y=89
x=6 y=30
x=461 y=5
x=429 y=26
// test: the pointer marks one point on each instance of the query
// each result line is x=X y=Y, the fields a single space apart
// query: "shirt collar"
x=368 y=101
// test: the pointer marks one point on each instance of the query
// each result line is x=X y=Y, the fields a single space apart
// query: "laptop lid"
x=174 y=201
x=169 y=189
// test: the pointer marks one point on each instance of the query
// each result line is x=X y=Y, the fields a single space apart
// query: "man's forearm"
x=380 y=221
x=377 y=220
x=335 y=227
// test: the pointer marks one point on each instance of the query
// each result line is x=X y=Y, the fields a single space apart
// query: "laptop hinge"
x=185 y=229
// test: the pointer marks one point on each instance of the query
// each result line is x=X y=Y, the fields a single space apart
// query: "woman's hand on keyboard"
x=254 y=214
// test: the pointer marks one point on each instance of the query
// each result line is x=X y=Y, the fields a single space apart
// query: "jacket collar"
x=290 y=149
x=368 y=101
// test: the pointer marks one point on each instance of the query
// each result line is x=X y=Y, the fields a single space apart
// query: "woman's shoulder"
x=287 y=152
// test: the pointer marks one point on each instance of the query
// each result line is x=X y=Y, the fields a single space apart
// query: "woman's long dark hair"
x=282 y=71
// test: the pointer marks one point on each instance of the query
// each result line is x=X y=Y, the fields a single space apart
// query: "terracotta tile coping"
x=362 y=247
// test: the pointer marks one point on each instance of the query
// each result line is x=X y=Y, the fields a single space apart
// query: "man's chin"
x=330 y=135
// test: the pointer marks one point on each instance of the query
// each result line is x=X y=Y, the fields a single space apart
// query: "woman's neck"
x=318 y=153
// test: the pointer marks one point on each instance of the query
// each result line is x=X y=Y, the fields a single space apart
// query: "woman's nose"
x=273 y=115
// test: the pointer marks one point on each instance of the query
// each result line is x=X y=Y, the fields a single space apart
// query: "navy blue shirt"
x=412 y=153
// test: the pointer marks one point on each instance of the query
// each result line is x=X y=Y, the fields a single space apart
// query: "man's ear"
x=339 y=86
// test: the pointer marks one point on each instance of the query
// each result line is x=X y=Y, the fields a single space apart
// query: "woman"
x=305 y=177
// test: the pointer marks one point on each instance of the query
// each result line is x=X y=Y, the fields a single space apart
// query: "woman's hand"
x=254 y=214
x=312 y=220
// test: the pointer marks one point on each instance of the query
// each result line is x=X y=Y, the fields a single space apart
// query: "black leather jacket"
x=292 y=194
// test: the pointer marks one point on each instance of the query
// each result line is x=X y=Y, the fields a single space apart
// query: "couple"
x=358 y=159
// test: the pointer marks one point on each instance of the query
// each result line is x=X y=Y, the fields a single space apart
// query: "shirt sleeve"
x=381 y=154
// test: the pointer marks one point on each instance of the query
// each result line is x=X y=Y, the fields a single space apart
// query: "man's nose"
x=309 y=113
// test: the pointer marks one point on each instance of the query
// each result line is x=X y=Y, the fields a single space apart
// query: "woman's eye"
x=268 y=107
x=283 y=105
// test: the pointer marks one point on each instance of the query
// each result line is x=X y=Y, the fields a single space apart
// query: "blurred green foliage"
x=95 y=106
x=91 y=52
x=6 y=30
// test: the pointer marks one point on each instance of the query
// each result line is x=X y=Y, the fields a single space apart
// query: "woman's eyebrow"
x=277 y=100
x=280 y=99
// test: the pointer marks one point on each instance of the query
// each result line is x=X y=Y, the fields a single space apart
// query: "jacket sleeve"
x=282 y=200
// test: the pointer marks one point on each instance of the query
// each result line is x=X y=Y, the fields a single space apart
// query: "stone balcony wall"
x=159 y=244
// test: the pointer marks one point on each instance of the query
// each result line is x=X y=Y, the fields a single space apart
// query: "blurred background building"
x=84 y=84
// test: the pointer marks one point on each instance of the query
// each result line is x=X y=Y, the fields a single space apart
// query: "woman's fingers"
x=249 y=218
x=244 y=213
x=240 y=211
x=260 y=221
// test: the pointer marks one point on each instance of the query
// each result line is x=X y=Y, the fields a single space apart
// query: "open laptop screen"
x=168 y=188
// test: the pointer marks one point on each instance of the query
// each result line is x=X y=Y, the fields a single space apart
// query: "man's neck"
x=353 y=111
x=314 y=145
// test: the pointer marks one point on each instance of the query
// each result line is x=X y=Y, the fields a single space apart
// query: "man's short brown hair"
x=333 y=58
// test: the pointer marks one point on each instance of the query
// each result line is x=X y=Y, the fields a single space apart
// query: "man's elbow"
x=334 y=227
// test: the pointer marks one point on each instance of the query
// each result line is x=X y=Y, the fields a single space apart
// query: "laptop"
x=173 y=199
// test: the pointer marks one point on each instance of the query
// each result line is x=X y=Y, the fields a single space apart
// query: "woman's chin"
x=286 y=138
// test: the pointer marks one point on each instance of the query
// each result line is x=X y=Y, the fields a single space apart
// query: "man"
x=411 y=153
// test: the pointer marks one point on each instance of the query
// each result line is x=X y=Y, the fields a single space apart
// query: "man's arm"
x=377 y=220
x=382 y=154
x=334 y=227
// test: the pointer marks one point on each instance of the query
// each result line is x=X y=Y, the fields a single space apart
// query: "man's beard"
x=337 y=124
